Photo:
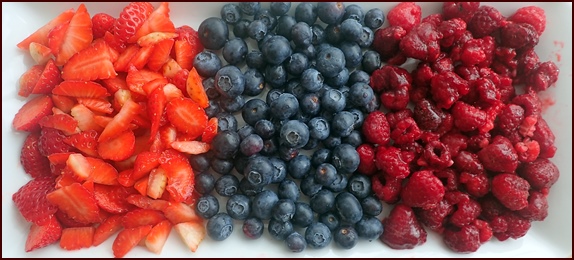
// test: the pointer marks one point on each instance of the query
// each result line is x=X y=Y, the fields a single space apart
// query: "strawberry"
x=156 y=238
x=180 y=176
x=94 y=62
x=160 y=54
x=80 y=166
x=49 y=79
x=31 y=200
x=131 y=19
x=119 y=147
x=63 y=103
x=85 y=141
x=107 y=228
x=67 y=222
x=155 y=38
x=52 y=141
x=190 y=35
x=158 y=21
x=142 y=217
x=43 y=235
x=145 y=202
x=41 y=35
x=210 y=130
x=75 y=238
x=58 y=163
x=98 y=105
x=195 y=90
x=141 y=186
x=137 y=78
x=102 y=23
x=144 y=163
x=115 y=84
x=125 y=57
x=156 y=109
x=180 y=212
x=128 y=238
x=192 y=233
x=80 y=88
x=63 y=122
x=56 y=37
x=187 y=116
x=125 y=177
x=191 y=147
x=77 y=202
x=142 y=56
x=121 y=121
x=86 y=118
x=168 y=135
x=157 y=182
x=40 y=53
x=184 y=54
x=149 y=87
x=170 y=68
x=180 y=79
x=172 y=92
x=102 y=172
x=33 y=162
x=28 y=80
x=30 y=114
x=112 y=198
x=78 y=36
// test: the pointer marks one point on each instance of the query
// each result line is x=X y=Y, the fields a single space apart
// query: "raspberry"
x=466 y=117
x=454 y=143
x=422 y=76
x=447 y=88
x=516 y=226
x=541 y=173
x=463 y=10
x=451 y=31
x=31 y=200
x=395 y=117
x=376 y=128
x=527 y=150
x=32 y=160
x=436 y=217
x=468 y=73
x=466 y=212
x=131 y=19
x=462 y=240
x=468 y=162
x=427 y=115
x=499 y=156
x=388 y=191
x=52 y=141
x=402 y=229
x=367 y=164
x=422 y=190
x=526 y=62
x=476 y=185
x=394 y=84
x=491 y=207
x=406 y=131
x=484 y=230
x=537 y=209
x=473 y=52
x=544 y=76
x=449 y=178
x=405 y=15
x=102 y=23
x=422 y=42
x=386 y=43
x=511 y=190
x=442 y=64
x=505 y=63
x=487 y=92
x=518 y=36
x=435 y=19
x=485 y=21
x=545 y=138
x=435 y=155
x=510 y=119
x=531 y=104
x=390 y=160
x=532 y=15
x=478 y=141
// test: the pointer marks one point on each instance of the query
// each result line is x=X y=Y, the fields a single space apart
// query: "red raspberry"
x=435 y=19
x=526 y=62
x=468 y=162
x=131 y=19
x=463 y=10
x=52 y=141
x=447 y=88
x=510 y=119
x=487 y=92
x=532 y=15
x=449 y=178
x=544 y=76
x=442 y=64
x=454 y=142
x=527 y=150
x=394 y=84
x=537 y=209
x=518 y=36
x=468 y=73
x=531 y=104
x=33 y=162
x=462 y=240
x=376 y=128
x=391 y=161
x=395 y=117
x=435 y=218
x=388 y=191
x=491 y=207
x=102 y=23
x=485 y=21
x=484 y=229
x=541 y=173
x=516 y=226
x=367 y=164
x=473 y=52
x=505 y=63
x=499 y=156
x=435 y=155
x=478 y=142
x=451 y=31
x=423 y=190
x=406 y=131
x=476 y=185
x=466 y=212
x=386 y=43
x=31 y=200
x=405 y=14
x=511 y=190
x=422 y=42
x=402 y=229
x=427 y=115
x=468 y=118
x=545 y=138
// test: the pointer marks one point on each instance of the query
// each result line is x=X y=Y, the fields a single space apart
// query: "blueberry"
x=250 y=8
x=267 y=18
x=207 y=206
x=339 y=184
x=284 y=107
x=207 y=63
x=288 y=189
x=359 y=76
x=253 y=228
x=294 y=134
x=301 y=34
x=359 y=117
x=360 y=94
x=221 y=166
x=352 y=52
x=232 y=105
x=270 y=147
x=318 y=34
x=354 y=12
x=354 y=139
x=371 y=206
x=227 y=185
x=325 y=174
x=229 y=81
x=226 y=122
x=308 y=51
x=213 y=33
x=279 y=230
x=339 y=80
x=319 y=128
x=369 y=228
x=287 y=153
x=345 y=158
x=311 y=80
x=283 y=210
x=257 y=30
x=279 y=170
x=333 y=34
x=255 y=60
x=351 y=30
x=209 y=87
x=333 y=101
x=346 y=237
x=220 y=226
x=330 y=12
x=330 y=61
x=279 y=8
x=264 y=128
x=296 y=64
x=258 y=171
x=310 y=104
x=359 y=185
x=254 y=110
x=199 y=162
x=275 y=75
x=204 y=182
x=245 y=131
x=311 y=144
x=318 y=235
x=303 y=216
x=262 y=204
x=234 y=51
x=330 y=220
x=240 y=161
x=296 y=242
x=251 y=145
x=374 y=18
x=372 y=106
x=240 y=29
x=247 y=189
x=320 y=156
x=299 y=166
x=309 y=186
x=367 y=37
x=348 y=207
x=230 y=13
x=284 y=25
x=306 y=12
x=342 y=124
x=254 y=82
x=294 y=87
x=238 y=206
x=225 y=144
x=276 y=49
x=371 y=61
x=323 y=201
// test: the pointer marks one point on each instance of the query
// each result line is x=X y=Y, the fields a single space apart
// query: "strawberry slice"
x=80 y=166
x=156 y=109
x=144 y=163
x=180 y=212
x=75 y=238
x=149 y=87
x=80 y=88
x=155 y=37
x=137 y=78
x=125 y=177
x=31 y=202
x=180 y=176
x=192 y=233
x=121 y=121
x=63 y=122
x=32 y=160
x=145 y=202
x=30 y=114
x=28 y=80
x=56 y=37
x=102 y=172
x=172 y=92
x=118 y=148
x=156 y=238
x=160 y=54
x=94 y=62
x=142 y=217
x=195 y=90
x=180 y=79
x=78 y=36
x=170 y=68
x=184 y=54
x=43 y=235
x=102 y=23
x=40 y=53
x=129 y=238
x=41 y=35
x=107 y=228
x=187 y=116
x=63 y=103
x=85 y=117
x=142 y=56
x=141 y=186
x=85 y=141
x=157 y=182
x=49 y=79
x=112 y=198
x=68 y=222
x=210 y=131
x=115 y=84
x=98 y=105
x=77 y=202
x=158 y=21
x=191 y=147
x=125 y=57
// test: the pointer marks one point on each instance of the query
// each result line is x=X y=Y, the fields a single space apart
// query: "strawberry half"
x=30 y=114
x=192 y=233
x=129 y=238
x=187 y=116
x=78 y=36
x=75 y=238
x=142 y=217
x=112 y=198
x=131 y=19
x=160 y=54
x=32 y=160
x=40 y=53
x=145 y=202
x=49 y=79
x=79 y=88
x=41 y=35
x=158 y=21
x=195 y=90
x=107 y=228
x=43 y=235
x=85 y=117
x=77 y=202
x=119 y=147
x=94 y=62
x=121 y=121
x=28 y=80
x=63 y=122
x=180 y=176
x=180 y=212
x=102 y=23
x=156 y=238
x=31 y=202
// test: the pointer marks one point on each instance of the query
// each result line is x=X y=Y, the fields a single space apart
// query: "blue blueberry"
x=227 y=185
x=283 y=210
x=346 y=236
x=207 y=63
x=213 y=33
x=299 y=166
x=279 y=230
x=293 y=134
x=294 y=87
x=359 y=76
x=254 y=82
x=200 y=162
x=318 y=235
x=254 y=110
x=255 y=60
x=320 y=156
x=245 y=131
x=306 y=12
x=311 y=80
x=284 y=25
x=238 y=207
x=207 y=206
x=342 y=124
x=310 y=104
x=279 y=8
x=257 y=30
x=319 y=128
x=339 y=184
x=330 y=61
x=296 y=64
x=209 y=87
x=360 y=94
x=284 y=107
x=226 y=122
x=240 y=161
x=251 y=145
x=348 y=207
x=225 y=144
x=241 y=28
x=374 y=18
x=303 y=216
x=229 y=81
x=232 y=105
x=330 y=12
x=247 y=189
x=354 y=11
x=359 y=117
x=234 y=51
x=309 y=186
x=371 y=61
x=276 y=49
x=230 y=13
x=204 y=182
x=288 y=189
x=219 y=227
x=325 y=174
x=249 y=8
x=296 y=242
x=311 y=144
x=333 y=101
x=267 y=18
x=372 y=106
x=369 y=228
x=258 y=171
x=339 y=80
x=264 y=128
x=333 y=34
x=367 y=37
x=323 y=201
x=279 y=170
x=301 y=34
x=330 y=219
x=270 y=147
x=253 y=228
x=287 y=153
x=354 y=138
x=221 y=166
x=275 y=75
x=351 y=30
x=262 y=204
x=308 y=51
x=345 y=158
x=353 y=53
x=318 y=34
x=371 y=206
x=332 y=141
x=359 y=185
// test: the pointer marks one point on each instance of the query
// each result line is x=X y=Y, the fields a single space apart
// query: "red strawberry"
x=149 y=87
x=192 y=233
x=75 y=238
x=119 y=147
x=77 y=202
x=187 y=116
x=107 y=228
x=190 y=35
x=40 y=53
x=58 y=162
x=180 y=79
x=102 y=23
x=67 y=222
x=168 y=135
x=43 y=235
x=28 y=80
x=157 y=182
x=125 y=57
x=129 y=238
x=115 y=84
x=156 y=108
x=94 y=62
x=80 y=88
x=52 y=141
x=27 y=118
x=131 y=19
x=191 y=147
x=142 y=217
x=158 y=21
x=63 y=103
x=195 y=90
x=137 y=78
x=180 y=176
x=56 y=37
x=144 y=163
x=41 y=35
x=102 y=172
x=63 y=122
x=86 y=118
x=160 y=54
x=31 y=200
x=155 y=38
x=49 y=79
x=85 y=141
x=112 y=198
x=33 y=162
x=184 y=54
x=99 y=105
x=145 y=202
x=141 y=186
x=156 y=238
x=180 y=212
x=78 y=36
x=210 y=130
x=125 y=177
x=121 y=121
x=170 y=68
x=142 y=56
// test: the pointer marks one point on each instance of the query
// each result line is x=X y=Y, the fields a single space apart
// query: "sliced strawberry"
x=184 y=54
x=131 y=19
x=158 y=21
x=180 y=79
x=157 y=182
x=56 y=37
x=149 y=87
x=40 y=53
x=63 y=103
x=119 y=147
x=115 y=84
x=192 y=233
x=156 y=109
x=195 y=90
x=79 y=88
x=31 y=202
x=68 y=222
x=142 y=217
x=180 y=212
x=125 y=57
x=191 y=147
x=155 y=37
x=170 y=68
x=52 y=141
x=160 y=54
x=156 y=238
x=28 y=80
x=102 y=172
x=75 y=238
x=80 y=166
x=187 y=116
x=189 y=34
x=141 y=186
x=112 y=198
x=78 y=36
x=94 y=62
x=63 y=122
x=98 y=105
x=102 y=23
x=142 y=56
x=168 y=135
x=41 y=35
x=180 y=176
x=49 y=79
x=210 y=131
x=144 y=163
x=65 y=178
x=32 y=160
x=120 y=98
x=129 y=238
x=172 y=92
x=125 y=177
x=137 y=78
x=85 y=141
x=77 y=202
x=30 y=114
x=86 y=118
x=145 y=202
x=89 y=185
x=58 y=163
x=107 y=228
x=43 y=235
x=121 y=121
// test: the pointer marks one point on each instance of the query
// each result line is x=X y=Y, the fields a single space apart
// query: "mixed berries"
x=133 y=126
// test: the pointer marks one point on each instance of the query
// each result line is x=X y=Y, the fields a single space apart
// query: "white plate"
x=550 y=238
